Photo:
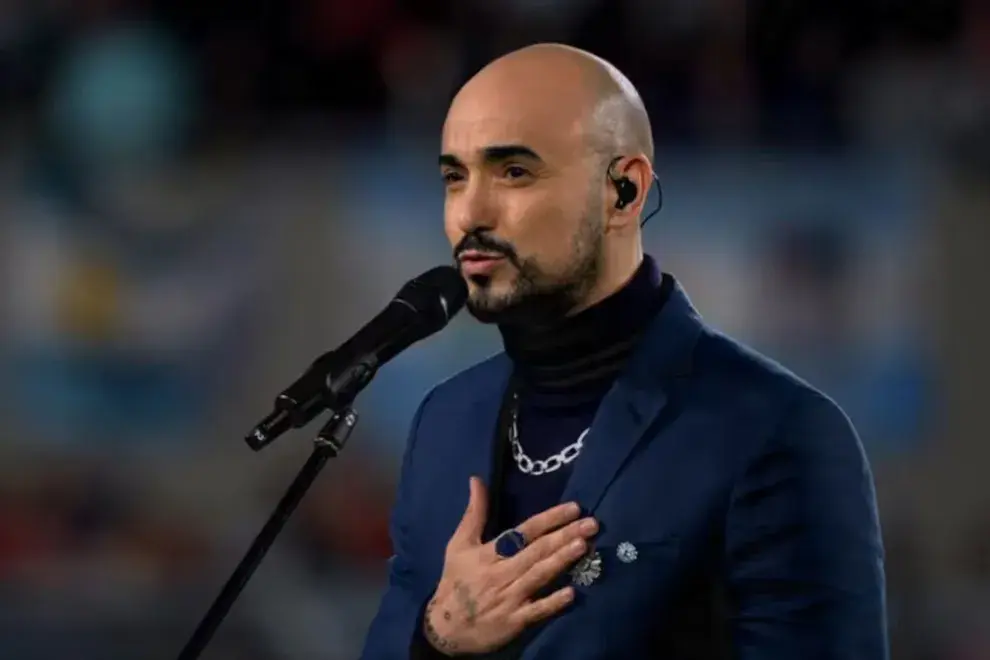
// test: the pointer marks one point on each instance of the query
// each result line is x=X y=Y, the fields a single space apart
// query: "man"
x=622 y=481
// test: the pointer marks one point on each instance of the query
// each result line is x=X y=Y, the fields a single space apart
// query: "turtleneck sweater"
x=561 y=372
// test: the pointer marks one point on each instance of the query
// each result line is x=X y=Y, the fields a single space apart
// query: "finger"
x=544 y=571
x=543 y=608
x=547 y=545
x=472 y=524
x=548 y=520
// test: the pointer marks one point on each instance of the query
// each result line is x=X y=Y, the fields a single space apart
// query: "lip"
x=479 y=263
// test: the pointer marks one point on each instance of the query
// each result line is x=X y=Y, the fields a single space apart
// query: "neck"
x=616 y=270
x=587 y=349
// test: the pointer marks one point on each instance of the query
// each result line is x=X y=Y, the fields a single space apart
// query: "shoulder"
x=799 y=422
x=806 y=448
x=769 y=409
x=751 y=380
x=726 y=359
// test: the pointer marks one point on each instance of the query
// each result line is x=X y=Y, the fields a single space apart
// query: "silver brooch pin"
x=587 y=570
x=626 y=552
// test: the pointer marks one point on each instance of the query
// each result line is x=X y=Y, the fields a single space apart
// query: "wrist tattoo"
x=469 y=604
x=445 y=646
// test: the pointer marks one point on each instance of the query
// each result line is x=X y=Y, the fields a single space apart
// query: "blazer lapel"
x=620 y=424
x=636 y=400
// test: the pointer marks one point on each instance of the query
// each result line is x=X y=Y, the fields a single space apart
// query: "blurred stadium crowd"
x=199 y=197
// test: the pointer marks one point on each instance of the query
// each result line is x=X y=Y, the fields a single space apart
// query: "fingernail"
x=577 y=545
x=574 y=508
x=589 y=525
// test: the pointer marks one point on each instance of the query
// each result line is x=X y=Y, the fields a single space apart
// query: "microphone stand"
x=328 y=444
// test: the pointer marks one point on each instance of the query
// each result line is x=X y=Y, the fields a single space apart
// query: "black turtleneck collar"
x=587 y=350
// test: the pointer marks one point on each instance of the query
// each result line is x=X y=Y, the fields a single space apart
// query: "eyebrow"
x=495 y=154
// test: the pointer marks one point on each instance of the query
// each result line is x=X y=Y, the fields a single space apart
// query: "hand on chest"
x=656 y=478
x=656 y=500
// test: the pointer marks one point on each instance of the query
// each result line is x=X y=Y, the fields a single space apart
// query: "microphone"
x=422 y=307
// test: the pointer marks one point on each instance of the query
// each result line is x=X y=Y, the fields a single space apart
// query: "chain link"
x=537 y=467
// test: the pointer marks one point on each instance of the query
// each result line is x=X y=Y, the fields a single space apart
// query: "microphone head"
x=437 y=296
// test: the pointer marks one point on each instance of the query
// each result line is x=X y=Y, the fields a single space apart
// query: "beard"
x=538 y=297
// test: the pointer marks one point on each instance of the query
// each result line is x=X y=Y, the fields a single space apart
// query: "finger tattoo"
x=432 y=636
x=469 y=604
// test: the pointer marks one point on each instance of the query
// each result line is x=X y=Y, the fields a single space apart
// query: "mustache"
x=484 y=243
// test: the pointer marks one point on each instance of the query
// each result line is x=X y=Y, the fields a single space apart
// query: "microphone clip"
x=334 y=434
x=338 y=391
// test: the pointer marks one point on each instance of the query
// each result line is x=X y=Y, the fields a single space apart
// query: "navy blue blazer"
x=744 y=491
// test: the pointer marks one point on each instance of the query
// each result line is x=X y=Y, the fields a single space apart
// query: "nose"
x=472 y=208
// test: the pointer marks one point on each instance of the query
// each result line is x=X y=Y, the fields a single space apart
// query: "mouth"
x=474 y=262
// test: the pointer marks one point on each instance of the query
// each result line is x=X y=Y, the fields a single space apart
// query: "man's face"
x=523 y=209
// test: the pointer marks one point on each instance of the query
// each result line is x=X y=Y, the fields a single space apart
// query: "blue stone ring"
x=509 y=543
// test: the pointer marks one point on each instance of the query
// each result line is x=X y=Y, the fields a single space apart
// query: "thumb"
x=472 y=524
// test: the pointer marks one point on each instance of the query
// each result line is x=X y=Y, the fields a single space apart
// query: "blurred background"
x=200 y=197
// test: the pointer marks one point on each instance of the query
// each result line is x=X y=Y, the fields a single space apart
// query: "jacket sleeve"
x=395 y=632
x=804 y=550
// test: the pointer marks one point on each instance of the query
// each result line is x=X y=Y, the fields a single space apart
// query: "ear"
x=639 y=172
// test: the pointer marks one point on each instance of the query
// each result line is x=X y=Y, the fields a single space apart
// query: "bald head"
x=526 y=147
x=571 y=88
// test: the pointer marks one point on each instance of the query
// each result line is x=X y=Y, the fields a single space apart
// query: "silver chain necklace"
x=537 y=467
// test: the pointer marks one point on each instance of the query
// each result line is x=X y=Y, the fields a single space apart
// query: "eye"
x=516 y=172
x=451 y=176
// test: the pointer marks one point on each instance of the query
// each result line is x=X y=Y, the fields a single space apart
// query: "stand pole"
x=329 y=442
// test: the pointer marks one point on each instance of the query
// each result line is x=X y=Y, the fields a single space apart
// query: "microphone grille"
x=438 y=294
